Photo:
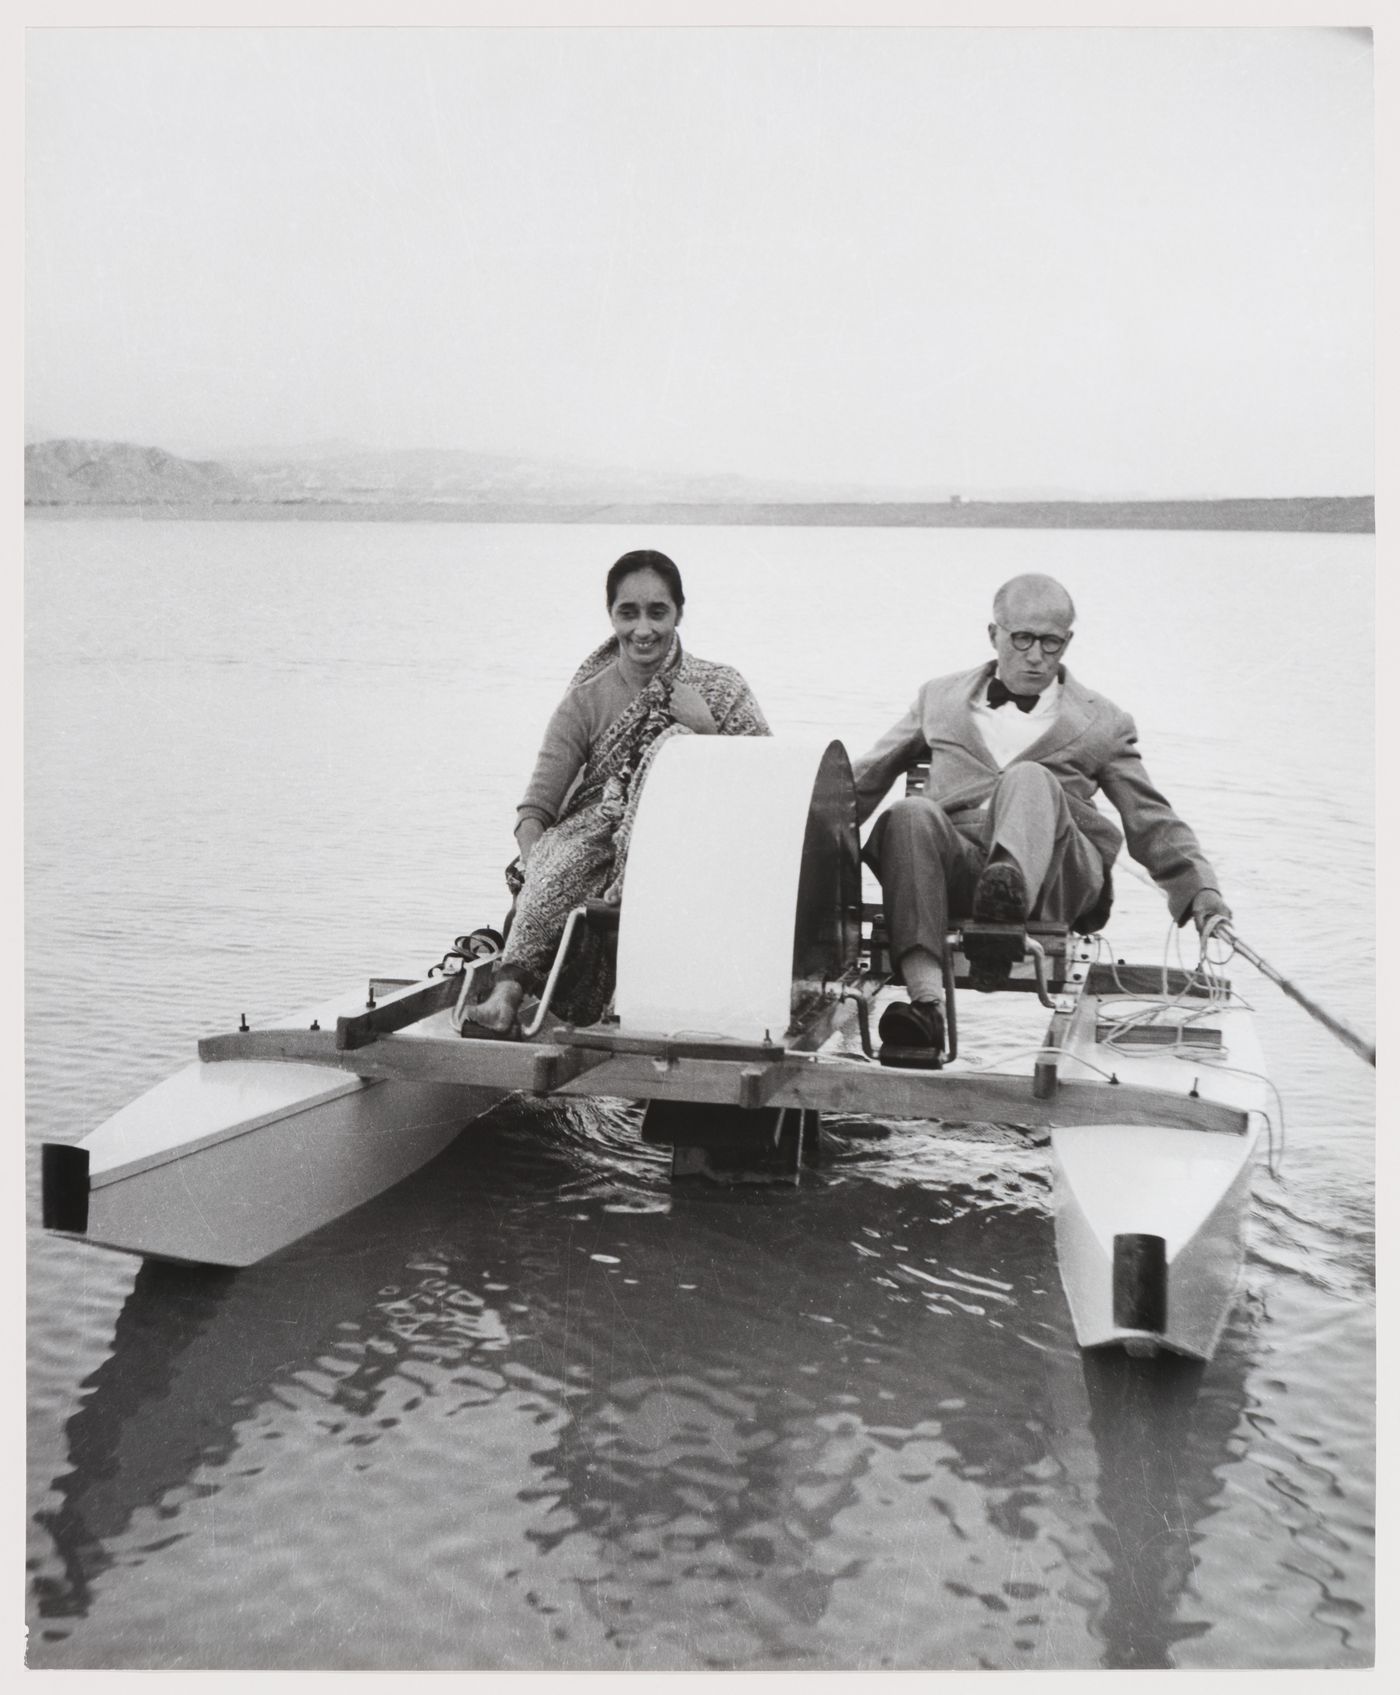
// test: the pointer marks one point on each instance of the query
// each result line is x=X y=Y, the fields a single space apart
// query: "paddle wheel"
x=739 y=938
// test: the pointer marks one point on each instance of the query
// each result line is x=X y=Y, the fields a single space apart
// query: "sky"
x=1076 y=261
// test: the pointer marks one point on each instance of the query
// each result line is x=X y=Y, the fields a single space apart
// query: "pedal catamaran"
x=747 y=971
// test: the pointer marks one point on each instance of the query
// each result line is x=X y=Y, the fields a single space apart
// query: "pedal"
x=993 y=942
x=991 y=950
x=911 y=1059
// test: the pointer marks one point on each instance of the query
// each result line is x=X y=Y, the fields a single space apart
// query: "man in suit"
x=1007 y=828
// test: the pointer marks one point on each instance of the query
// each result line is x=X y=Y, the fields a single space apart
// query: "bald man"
x=1007 y=828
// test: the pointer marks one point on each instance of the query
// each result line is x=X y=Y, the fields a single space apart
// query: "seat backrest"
x=916 y=778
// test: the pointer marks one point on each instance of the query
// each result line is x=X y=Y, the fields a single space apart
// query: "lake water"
x=533 y=1409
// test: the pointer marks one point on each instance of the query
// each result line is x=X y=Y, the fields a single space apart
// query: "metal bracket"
x=1042 y=982
x=600 y=915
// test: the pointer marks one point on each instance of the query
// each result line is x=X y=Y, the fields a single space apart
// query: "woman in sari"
x=631 y=694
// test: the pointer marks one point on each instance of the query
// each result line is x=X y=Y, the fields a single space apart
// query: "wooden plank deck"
x=823 y=1084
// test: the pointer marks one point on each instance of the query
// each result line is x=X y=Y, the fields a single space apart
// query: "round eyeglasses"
x=1024 y=640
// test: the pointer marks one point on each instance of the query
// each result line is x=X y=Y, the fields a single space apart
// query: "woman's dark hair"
x=646 y=559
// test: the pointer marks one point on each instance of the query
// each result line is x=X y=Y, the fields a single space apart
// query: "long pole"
x=1357 y=1044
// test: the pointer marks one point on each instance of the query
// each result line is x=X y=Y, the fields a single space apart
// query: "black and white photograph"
x=699 y=843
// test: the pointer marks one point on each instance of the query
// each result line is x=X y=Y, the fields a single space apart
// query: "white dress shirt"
x=1007 y=730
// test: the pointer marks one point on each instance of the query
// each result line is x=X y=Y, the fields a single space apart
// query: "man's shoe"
x=912 y=1035
x=1000 y=898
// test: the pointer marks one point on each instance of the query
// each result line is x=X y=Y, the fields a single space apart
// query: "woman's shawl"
x=615 y=762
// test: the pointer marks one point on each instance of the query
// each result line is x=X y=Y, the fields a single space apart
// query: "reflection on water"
x=921 y=1470
x=1158 y=1436
x=146 y=1424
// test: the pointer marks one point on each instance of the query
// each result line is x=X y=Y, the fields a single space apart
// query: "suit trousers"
x=928 y=863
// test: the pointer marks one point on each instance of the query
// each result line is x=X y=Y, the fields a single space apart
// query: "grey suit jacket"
x=1091 y=747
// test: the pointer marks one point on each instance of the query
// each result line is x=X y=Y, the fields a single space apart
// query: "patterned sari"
x=584 y=854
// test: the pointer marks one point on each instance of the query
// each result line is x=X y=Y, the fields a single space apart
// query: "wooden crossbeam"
x=397 y=1011
x=845 y=1086
x=538 y=1067
x=825 y=1085
x=1108 y=980
x=1161 y=1036
x=757 y=1083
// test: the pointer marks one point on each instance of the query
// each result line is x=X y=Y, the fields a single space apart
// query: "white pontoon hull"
x=1150 y=1218
x=1188 y=1189
x=223 y=1164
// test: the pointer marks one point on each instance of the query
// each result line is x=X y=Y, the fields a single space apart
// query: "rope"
x=1221 y=927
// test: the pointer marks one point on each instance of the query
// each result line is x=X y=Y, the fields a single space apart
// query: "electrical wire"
x=1242 y=1071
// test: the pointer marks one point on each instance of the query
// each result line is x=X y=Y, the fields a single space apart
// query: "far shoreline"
x=1344 y=514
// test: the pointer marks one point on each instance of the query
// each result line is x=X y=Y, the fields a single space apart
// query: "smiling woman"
x=631 y=694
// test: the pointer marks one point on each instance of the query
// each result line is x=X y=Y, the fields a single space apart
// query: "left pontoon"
x=225 y=1163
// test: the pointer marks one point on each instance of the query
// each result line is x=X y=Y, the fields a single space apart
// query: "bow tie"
x=998 y=694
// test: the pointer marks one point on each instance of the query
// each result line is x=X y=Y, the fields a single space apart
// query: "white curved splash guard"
x=710 y=895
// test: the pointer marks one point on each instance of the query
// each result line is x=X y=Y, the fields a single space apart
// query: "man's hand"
x=1208 y=904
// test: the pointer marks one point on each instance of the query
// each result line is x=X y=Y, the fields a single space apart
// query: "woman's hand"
x=688 y=707
x=527 y=832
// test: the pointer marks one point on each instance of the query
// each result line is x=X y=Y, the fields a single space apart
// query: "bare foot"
x=497 y=1012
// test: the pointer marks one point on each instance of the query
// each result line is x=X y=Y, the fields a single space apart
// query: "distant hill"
x=68 y=472
x=86 y=473
x=460 y=476
x=337 y=480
